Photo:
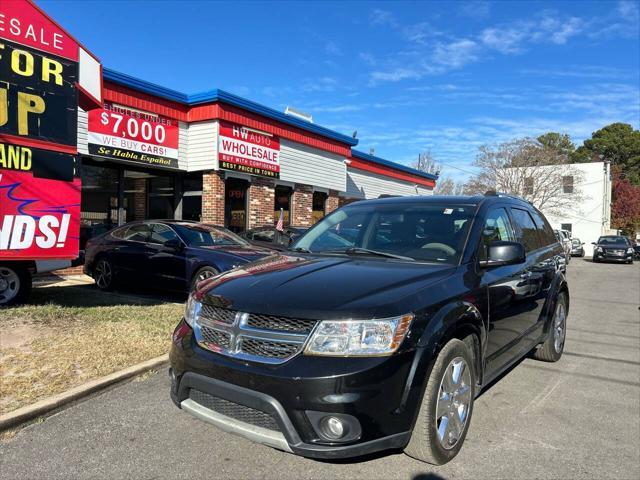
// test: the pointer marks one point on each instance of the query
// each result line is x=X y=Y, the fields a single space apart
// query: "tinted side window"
x=526 y=231
x=497 y=227
x=119 y=232
x=162 y=234
x=544 y=229
x=137 y=233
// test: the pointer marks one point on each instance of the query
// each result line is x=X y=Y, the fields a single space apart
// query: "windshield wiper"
x=366 y=251
x=300 y=249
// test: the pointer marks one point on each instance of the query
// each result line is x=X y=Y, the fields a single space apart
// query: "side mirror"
x=582 y=243
x=593 y=243
x=503 y=253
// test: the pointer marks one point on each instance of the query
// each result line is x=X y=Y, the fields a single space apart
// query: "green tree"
x=619 y=143
x=559 y=142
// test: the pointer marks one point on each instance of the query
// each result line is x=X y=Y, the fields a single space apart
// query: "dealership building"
x=153 y=152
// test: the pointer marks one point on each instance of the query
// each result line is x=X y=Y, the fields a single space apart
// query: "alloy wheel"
x=559 y=330
x=454 y=401
x=204 y=275
x=9 y=285
x=103 y=274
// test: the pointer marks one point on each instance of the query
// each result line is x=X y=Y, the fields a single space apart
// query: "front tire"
x=446 y=408
x=15 y=284
x=551 y=350
x=202 y=274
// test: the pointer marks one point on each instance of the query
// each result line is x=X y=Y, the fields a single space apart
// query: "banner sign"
x=245 y=150
x=128 y=134
x=38 y=97
x=39 y=218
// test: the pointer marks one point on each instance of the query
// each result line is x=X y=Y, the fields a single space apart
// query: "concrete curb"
x=30 y=412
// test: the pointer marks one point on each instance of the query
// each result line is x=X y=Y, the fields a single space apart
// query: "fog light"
x=333 y=427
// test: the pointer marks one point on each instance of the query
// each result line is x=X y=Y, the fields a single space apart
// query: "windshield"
x=612 y=240
x=431 y=233
x=209 y=236
x=576 y=242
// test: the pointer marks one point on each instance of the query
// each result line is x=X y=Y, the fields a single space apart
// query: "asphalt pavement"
x=578 y=418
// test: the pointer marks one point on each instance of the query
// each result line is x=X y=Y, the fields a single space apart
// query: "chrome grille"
x=265 y=348
x=254 y=337
x=269 y=322
x=216 y=314
x=215 y=337
x=233 y=410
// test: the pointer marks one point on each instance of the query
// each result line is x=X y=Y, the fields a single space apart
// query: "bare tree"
x=529 y=169
x=426 y=163
x=448 y=186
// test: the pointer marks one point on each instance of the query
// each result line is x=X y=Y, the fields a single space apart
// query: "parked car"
x=564 y=237
x=167 y=254
x=270 y=237
x=613 y=248
x=577 y=248
x=636 y=249
x=344 y=346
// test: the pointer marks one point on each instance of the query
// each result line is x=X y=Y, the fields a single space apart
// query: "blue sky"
x=408 y=76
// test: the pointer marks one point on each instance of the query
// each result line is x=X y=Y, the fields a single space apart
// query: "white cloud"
x=456 y=54
x=395 y=75
x=505 y=41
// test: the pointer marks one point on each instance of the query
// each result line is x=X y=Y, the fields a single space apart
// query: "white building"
x=589 y=184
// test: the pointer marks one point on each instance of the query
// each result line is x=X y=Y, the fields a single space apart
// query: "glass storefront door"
x=235 y=204
x=282 y=201
x=99 y=200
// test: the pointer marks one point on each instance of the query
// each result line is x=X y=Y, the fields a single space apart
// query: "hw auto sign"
x=44 y=75
x=246 y=150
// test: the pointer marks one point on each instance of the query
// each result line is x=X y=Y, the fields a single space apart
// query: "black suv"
x=377 y=329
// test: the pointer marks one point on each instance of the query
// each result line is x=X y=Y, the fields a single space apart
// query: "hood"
x=247 y=253
x=321 y=287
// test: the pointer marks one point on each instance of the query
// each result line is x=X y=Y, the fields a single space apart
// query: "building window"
x=565 y=226
x=99 y=201
x=282 y=201
x=192 y=196
x=567 y=184
x=528 y=186
x=235 y=204
x=161 y=189
x=319 y=206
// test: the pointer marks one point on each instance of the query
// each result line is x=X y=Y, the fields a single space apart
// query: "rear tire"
x=551 y=350
x=446 y=408
x=202 y=274
x=15 y=284
x=103 y=274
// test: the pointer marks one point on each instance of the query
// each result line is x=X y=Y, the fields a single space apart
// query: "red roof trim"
x=389 y=172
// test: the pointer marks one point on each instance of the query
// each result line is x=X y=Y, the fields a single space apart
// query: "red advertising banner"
x=40 y=218
x=246 y=150
x=22 y=22
x=127 y=134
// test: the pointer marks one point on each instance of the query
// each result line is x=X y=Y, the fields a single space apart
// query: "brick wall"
x=302 y=200
x=333 y=202
x=261 y=202
x=213 y=197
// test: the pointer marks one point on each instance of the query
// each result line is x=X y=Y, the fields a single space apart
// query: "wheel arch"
x=460 y=320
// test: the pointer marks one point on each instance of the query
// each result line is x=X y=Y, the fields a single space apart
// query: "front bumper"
x=373 y=392
x=608 y=257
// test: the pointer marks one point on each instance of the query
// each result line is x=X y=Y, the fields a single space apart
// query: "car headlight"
x=599 y=249
x=192 y=311
x=363 y=338
x=629 y=250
